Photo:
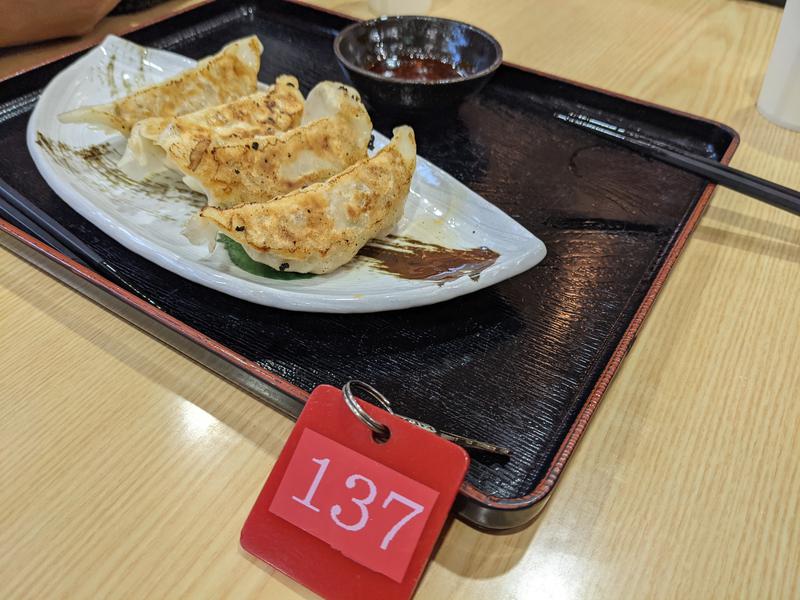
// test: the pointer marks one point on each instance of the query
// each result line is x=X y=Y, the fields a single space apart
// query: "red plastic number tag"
x=349 y=517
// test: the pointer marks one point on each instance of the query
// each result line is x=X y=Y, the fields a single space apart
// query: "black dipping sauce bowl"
x=416 y=64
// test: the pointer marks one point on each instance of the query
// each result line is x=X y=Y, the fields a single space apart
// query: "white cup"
x=780 y=93
x=399 y=7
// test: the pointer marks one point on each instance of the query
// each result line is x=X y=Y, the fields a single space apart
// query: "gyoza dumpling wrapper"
x=278 y=108
x=217 y=79
x=335 y=134
x=322 y=227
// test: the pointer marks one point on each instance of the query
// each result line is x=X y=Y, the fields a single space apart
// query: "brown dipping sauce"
x=417 y=69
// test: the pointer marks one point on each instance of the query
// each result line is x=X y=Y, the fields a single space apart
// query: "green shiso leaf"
x=240 y=258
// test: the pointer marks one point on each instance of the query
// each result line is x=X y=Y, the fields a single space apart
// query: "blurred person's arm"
x=23 y=21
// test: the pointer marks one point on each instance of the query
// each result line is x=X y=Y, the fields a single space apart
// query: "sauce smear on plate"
x=411 y=259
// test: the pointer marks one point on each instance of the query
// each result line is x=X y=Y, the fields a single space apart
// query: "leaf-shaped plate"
x=441 y=214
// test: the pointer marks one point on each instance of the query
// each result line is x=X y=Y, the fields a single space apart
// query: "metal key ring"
x=362 y=415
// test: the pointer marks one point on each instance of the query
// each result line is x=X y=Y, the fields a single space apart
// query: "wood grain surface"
x=126 y=470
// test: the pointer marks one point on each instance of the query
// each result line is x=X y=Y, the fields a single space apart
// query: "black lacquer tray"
x=523 y=363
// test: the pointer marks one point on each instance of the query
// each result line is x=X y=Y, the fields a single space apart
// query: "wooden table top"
x=126 y=470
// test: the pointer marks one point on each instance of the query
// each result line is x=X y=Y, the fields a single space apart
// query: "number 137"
x=361 y=503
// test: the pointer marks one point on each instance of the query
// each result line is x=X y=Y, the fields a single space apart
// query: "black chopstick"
x=19 y=220
x=26 y=215
x=745 y=183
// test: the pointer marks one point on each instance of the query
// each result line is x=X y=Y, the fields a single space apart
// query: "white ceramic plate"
x=148 y=218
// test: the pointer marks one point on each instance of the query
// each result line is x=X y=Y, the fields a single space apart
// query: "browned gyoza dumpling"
x=217 y=79
x=334 y=134
x=188 y=137
x=321 y=227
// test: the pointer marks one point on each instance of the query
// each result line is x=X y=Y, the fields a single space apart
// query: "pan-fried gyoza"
x=335 y=134
x=181 y=142
x=321 y=227
x=217 y=79
x=287 y=178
